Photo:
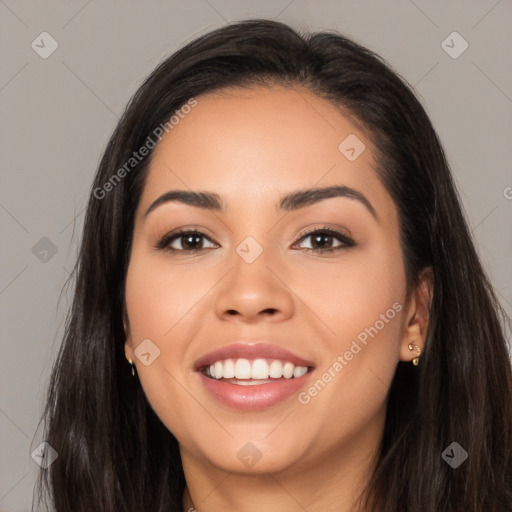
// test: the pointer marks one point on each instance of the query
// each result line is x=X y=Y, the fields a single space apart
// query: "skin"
x=252 y=146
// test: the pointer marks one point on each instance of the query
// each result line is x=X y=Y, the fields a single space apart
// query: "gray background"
x=57 y=114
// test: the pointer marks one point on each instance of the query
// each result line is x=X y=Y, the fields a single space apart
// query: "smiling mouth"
x=245 y=372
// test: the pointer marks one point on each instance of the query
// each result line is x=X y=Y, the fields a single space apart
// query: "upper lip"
x=260 y=350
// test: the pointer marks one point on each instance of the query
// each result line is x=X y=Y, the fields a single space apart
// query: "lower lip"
x=253 y=397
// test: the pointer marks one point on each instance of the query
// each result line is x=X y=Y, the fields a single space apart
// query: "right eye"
x=188 y=241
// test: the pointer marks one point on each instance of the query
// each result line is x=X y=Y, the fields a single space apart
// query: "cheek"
x=157 y=302
x=356 y=293
x=159 y=295
x=159 y=299
x=361 y=302
x=376 y=310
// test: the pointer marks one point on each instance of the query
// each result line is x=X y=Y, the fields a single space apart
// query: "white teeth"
x=259 y=369
x=299 y=371
x=229 y=369
x=242 y=369
x=276 y=369
x=218 y=368
x=288 y=370
x=248 y=382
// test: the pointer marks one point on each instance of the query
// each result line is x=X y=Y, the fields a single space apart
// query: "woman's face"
x=259 y=287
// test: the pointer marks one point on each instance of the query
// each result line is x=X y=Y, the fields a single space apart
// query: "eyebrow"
x=290 y=202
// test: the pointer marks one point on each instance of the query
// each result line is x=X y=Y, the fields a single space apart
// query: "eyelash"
x=346 y=242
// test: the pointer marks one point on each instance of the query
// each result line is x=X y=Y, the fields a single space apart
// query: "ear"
x=417 y=316
x=128 y=349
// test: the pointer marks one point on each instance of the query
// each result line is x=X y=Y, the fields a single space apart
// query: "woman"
x=278 y=303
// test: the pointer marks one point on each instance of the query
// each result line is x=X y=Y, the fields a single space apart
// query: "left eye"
x=322 y=240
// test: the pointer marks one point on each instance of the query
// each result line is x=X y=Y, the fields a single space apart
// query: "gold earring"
x=416 y=360
x=131 y=364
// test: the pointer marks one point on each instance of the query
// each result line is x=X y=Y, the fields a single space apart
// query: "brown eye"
x=184 y=241
x=323 y=240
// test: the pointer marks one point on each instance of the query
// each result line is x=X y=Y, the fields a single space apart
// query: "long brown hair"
x=114 y=453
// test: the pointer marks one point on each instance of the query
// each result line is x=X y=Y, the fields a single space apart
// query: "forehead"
x=254 y=143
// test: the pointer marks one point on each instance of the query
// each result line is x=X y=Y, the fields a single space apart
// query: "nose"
x=254 y=292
